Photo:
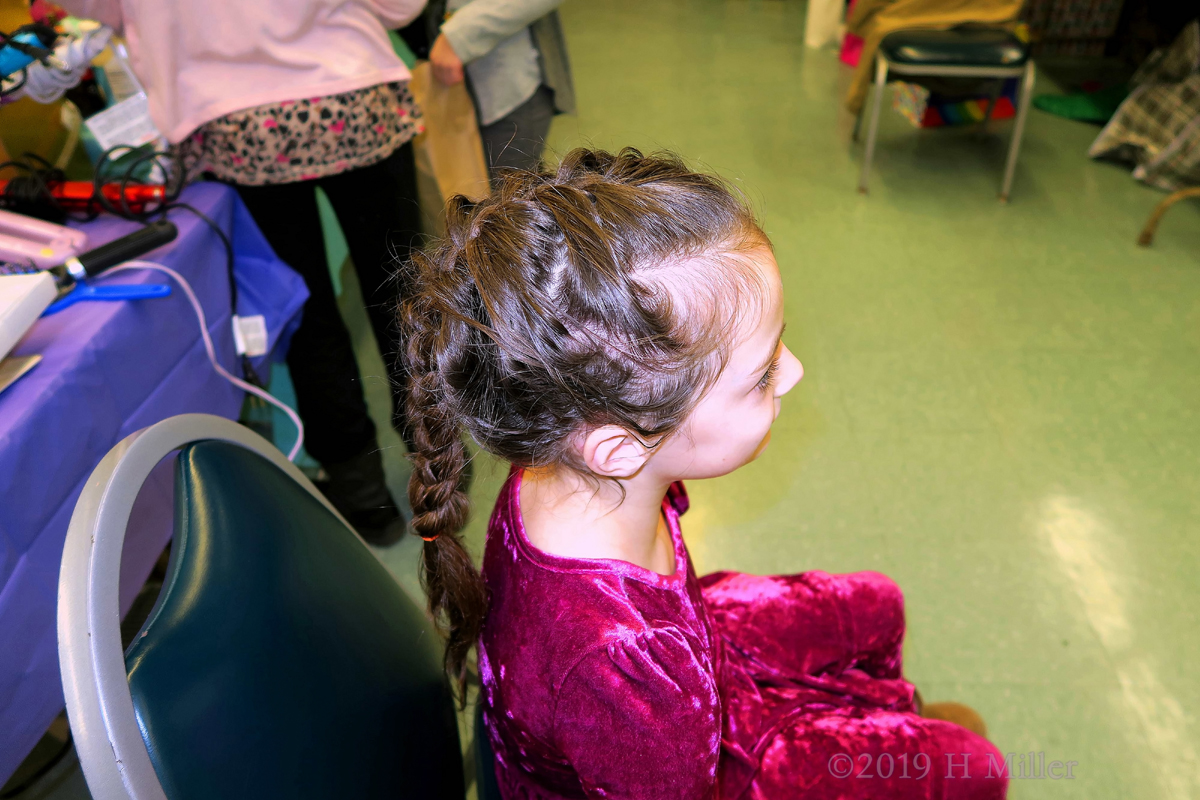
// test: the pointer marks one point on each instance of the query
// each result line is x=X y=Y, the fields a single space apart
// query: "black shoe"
x=359 y=492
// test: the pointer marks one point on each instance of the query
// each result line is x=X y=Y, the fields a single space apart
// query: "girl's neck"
x=567 y=515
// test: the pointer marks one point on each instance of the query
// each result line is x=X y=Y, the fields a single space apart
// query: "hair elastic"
x=431 y=538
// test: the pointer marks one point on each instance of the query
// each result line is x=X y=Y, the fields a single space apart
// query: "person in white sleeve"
x=513 y=55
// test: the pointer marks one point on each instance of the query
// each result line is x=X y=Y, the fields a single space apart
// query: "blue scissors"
x=124 y=291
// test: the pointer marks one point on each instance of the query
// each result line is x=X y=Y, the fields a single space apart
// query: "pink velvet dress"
x=602 y=679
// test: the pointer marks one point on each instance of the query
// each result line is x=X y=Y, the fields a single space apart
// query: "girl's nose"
x=790 y=372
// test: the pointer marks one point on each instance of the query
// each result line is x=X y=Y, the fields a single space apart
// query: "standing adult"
x=280 y=98
x=514 y=57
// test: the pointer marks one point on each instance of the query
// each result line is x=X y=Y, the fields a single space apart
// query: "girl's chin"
x=766 y=440
x=731 y=463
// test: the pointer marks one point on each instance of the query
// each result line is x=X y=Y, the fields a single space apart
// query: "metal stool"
x=956 y=53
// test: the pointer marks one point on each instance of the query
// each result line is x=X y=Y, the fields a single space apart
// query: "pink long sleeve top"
x=602 y=679
x=200 y=60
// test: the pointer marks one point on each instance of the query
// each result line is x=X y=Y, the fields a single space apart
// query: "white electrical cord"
x=212 y=353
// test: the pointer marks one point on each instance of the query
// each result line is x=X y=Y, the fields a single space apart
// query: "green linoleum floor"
x=1002 y=403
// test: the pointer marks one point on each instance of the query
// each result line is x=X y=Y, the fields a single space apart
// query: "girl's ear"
x=612 y=452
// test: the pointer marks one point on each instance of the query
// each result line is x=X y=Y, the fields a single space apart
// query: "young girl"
x=611 y=330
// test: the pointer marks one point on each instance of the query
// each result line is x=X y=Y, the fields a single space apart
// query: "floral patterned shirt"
x=312 y=137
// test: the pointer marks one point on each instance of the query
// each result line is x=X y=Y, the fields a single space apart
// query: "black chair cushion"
x=282 y=659
x=959 y=47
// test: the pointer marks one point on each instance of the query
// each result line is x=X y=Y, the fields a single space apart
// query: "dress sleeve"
x=845 y=632
x=640 y=719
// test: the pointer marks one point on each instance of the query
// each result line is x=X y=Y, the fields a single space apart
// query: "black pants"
x=378 y=212
x=518 y=139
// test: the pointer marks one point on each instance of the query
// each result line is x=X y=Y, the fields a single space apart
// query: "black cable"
x=169 y=164
x=229 y=256
x=32 y=187
x=29 y=192
x=172 y=166
x=98 y=180
x=46 y=165
x=6 y=91
x=45 y=34
x=247 y=369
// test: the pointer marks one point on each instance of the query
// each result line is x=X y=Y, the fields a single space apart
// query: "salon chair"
x=965 y=52
x=281 y=659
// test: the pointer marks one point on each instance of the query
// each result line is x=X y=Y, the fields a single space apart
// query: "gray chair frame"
x=883 y=68
x=108 y=740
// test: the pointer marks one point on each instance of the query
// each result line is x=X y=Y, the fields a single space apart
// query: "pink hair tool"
x=25 y=240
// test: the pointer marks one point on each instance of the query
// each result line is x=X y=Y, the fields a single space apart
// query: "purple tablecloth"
x=107 y=370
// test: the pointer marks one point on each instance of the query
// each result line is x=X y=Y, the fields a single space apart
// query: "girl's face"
x=731 y=424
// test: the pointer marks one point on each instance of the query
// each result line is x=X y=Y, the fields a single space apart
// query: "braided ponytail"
x=437 y=495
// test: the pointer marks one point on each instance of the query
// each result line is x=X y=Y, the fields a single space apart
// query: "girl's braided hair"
x=601 y=293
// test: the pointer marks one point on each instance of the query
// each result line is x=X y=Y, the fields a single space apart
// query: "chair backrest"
x=281 y=660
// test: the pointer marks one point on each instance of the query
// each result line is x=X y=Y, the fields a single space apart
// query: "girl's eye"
x=768 y=376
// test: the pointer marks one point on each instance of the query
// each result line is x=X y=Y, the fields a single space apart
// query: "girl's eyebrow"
x=771 y=358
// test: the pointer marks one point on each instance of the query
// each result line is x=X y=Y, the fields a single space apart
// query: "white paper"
x=127 y=123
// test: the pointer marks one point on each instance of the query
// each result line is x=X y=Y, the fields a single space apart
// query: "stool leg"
x=991 y=107
x=881 y=70
x=1014 y=147
x=857 y=126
